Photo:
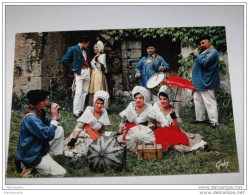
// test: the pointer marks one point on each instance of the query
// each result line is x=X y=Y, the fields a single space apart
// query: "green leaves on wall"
x=187 y=35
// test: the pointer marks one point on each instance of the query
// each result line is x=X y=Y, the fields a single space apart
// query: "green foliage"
x=225 y=106
x=186 y=65
x=187 y=35
x=223 y=67
x=19 y=102
x=119 y=103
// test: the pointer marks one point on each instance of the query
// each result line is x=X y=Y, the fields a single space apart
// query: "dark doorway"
x=167 y=49
x=72 y=38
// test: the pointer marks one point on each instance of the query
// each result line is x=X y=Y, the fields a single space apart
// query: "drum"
x=154 y=82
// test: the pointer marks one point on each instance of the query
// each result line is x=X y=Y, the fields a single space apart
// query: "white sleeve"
x=152 y=114
x=102 y=60
x=93 y=63
x=54 y=122
x=79 y=126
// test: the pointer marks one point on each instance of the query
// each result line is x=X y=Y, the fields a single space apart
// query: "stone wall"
x=131 y=53
x=55 y=77
x=27 y=69
x=38 y=63
x=114 y=67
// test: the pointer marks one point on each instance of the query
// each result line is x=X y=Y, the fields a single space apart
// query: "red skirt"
x=168 y=136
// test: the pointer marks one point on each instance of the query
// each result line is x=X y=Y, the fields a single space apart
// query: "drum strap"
x=156 y=57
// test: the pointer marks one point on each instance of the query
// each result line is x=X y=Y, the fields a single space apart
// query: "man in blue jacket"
x=206 y=77
x=148 y=66
x=40 y=137
x=78 y=60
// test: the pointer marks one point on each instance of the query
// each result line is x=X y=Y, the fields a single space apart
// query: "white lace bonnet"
x=141 y=90
x=165 y=89
x=101 y=95
x=100 y=46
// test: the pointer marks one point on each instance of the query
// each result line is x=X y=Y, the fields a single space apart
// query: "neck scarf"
x=41 y=113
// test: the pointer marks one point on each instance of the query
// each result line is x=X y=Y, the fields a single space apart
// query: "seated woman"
x=163 y=117
x=171 y=94
x=136 y=112
x=89 y=127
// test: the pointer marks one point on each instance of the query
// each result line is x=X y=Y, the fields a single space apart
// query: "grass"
x=221 y=140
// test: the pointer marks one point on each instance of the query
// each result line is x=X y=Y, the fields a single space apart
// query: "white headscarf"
x=100 y=46
x=101 y=94
x=141 y=90
x=165 y=89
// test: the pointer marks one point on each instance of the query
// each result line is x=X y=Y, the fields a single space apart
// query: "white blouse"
x=88 y=118
x=156 y=113
x=132 y=116
x=101 y=60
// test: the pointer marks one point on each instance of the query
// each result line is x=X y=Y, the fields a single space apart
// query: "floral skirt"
x=85 y=138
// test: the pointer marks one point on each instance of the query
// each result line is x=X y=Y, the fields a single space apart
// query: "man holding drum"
x=148 y=66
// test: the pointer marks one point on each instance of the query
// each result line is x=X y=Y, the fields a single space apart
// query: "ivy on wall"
x=186 y=65
x=187 y=35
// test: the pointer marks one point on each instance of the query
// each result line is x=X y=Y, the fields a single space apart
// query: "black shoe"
x=198 y=122
x=81 y=113
x=75 y=116
x=18 y=166
x=78 y=115
x=213 y=125
x=206 y=148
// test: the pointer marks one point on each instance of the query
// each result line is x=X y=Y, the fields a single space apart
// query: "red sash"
x=93 y=134
x=86 y=64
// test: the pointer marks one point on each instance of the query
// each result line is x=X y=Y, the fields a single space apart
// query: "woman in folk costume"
x=171 y=95
x=98 y=80
x=89 y=126
x=136 y=112
x=163 y=117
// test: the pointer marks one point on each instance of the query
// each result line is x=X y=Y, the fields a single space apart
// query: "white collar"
x=80 y=46
x=87 y=116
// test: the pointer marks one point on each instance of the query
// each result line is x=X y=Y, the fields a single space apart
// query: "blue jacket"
x=74 y=58
x=206 y=71
x=34 y=140
x=147 y=70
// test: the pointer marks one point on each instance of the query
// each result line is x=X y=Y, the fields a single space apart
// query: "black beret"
x=151 y=44
x=84 y=39
x=36 y=96
x=203 y=38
